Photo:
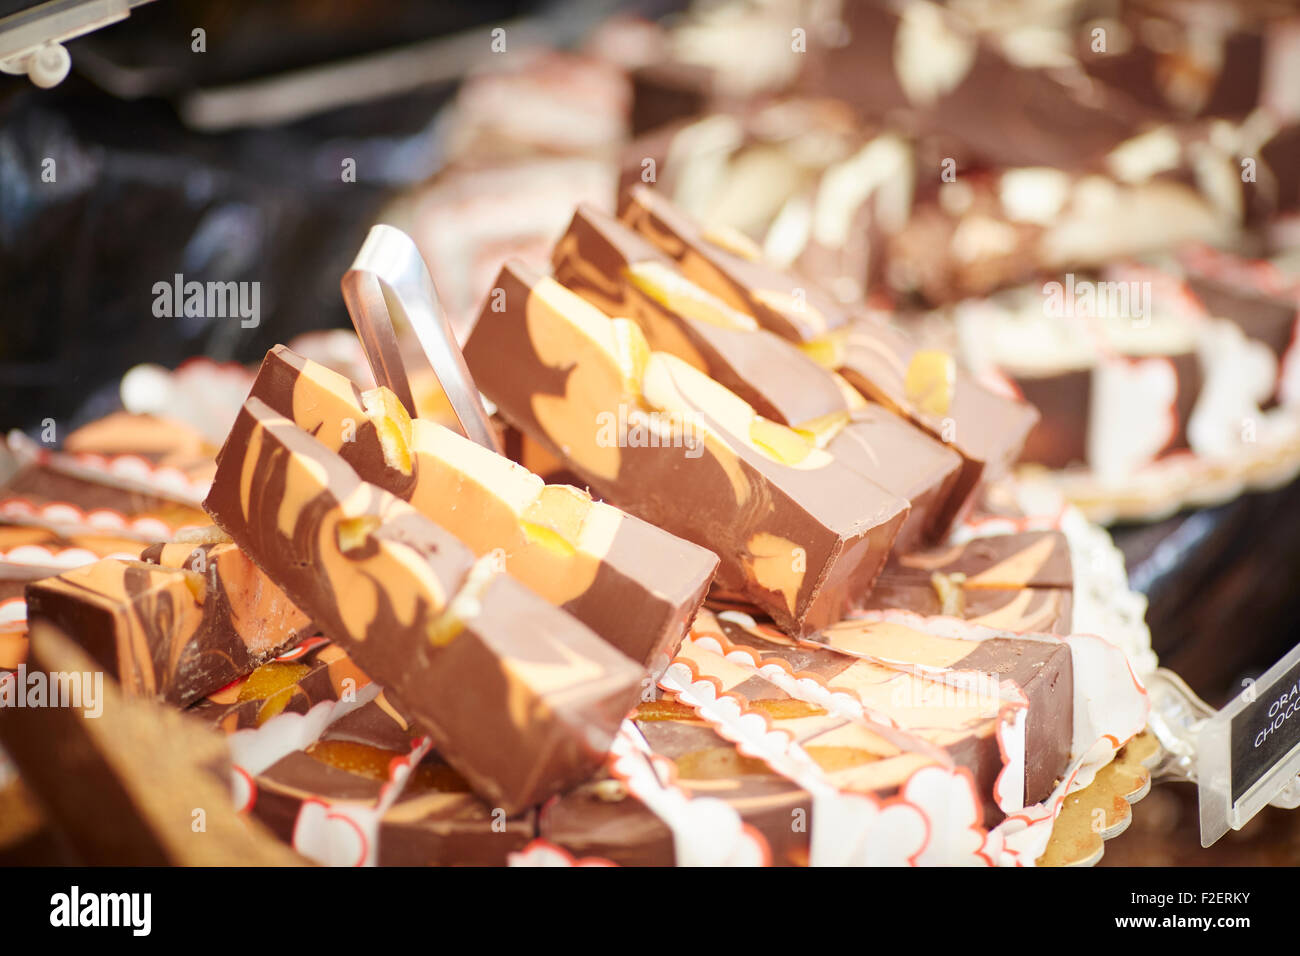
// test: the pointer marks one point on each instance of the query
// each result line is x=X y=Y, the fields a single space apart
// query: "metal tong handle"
x=388 y=278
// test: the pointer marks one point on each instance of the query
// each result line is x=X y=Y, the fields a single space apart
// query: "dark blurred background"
x=141 y=194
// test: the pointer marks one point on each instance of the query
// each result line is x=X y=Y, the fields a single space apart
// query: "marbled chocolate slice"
x=40 y=485
x=876 y=443
x=622 y=274
x=139 y=453
x=1019 y=610
x=520 y=697
x=1185 y=60
x=927 y=708
x=798 y=532
x=633 y=583
x=977 y=91
x=430 y=826
x=1030 y=559
x=725 y=266
x=1261 y=299
x=279 y=793
x=602 y=819
x=437 y=820
x=172 y=633
x=903 y=459
x=1114 y=378
x=313 y=671
x=928 y=389
x=1062 y=397
x=30 y=552
x=1041 y=668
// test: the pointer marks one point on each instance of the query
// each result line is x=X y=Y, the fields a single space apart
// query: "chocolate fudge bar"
x=994 y=228
x=927 y=64
x=174 y=632
x=1040 y=669
x=798 y=532
x=1028 y=559
x=927 y=387
x=634 y=584
x=877 y=443
x=1020 y=582
x=1115 y=389
x=605 y=819
x=1023 y=610
x=436 y=820
x=622 y=274
x=1258 y=297
x=520 y=697
x=1183 y=60
x=730 y=268
x=313 y=671
x=30 y=552
x=885 y=447
x=845 y=723
x=141 y=453
x=40 y=496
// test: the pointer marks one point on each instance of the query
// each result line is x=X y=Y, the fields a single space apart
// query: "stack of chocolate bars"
x=775 y=618
x=1048 y=187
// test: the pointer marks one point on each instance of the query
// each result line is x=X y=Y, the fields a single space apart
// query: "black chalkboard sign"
x=1265 y=731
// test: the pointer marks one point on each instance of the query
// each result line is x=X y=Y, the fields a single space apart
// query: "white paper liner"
x=849 y=829
x=39 y=557
x=541 y=853
x=706 y=831
x=13 y=613
x=128 y=472
x=1131 y=414
x=1184 y=480
x=935 y=819
x=69 y=519
x=332 y=833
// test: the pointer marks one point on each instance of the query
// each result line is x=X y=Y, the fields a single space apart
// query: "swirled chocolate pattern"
x=798 y=532
x=521 y=698
x=634 y=584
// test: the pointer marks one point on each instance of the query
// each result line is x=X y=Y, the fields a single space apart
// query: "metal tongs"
x=388 y=278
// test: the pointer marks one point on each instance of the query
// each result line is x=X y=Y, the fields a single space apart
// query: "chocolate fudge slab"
x=797 y=531
x=631 y=582
x=173 y=633
x=415 y=609
x=622 y=274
